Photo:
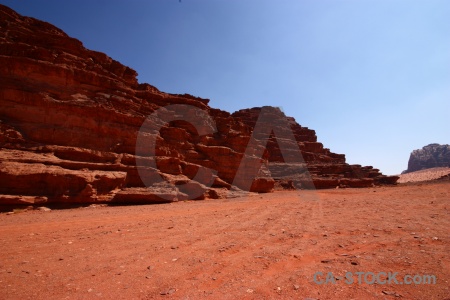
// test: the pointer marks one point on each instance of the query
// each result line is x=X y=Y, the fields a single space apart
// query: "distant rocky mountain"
x=430 y=156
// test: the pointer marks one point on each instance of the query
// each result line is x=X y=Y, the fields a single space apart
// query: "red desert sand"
x=266 y=246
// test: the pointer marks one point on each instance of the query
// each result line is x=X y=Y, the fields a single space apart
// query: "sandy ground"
x=424 y=175
x=261 y=247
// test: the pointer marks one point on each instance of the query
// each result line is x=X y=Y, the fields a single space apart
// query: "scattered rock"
x=43 y=208
x=391 y=293
x=168 y=292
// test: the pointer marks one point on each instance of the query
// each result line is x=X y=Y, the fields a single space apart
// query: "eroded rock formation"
x=430 y=156
x=70 y=119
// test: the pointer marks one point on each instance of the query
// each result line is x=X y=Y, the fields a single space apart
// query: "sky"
x=371 y=77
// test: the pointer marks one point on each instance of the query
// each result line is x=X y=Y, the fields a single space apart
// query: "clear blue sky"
x=372 y=77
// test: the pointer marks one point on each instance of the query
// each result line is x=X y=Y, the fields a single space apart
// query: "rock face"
x=71 y=120
x=327 y=169
x=430 y=156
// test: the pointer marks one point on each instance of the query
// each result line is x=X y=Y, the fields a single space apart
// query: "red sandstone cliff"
x=70 y=117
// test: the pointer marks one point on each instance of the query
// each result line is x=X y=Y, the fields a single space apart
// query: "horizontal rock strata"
x=71 y=119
